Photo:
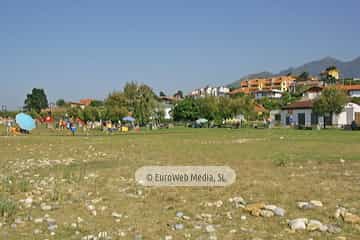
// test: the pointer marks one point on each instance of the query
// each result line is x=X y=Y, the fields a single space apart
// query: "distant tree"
x=140 y=100
x=224 y=108
x=115 y=107
x=162 y=94
x=116 y=99
x=159 y=113
x=75 y=112
x=208 y=108
x=60 y=103
x=179 y=94
x=331 y=101
x=186 y=110
x=243 y=105
x=303 y=77
x=269 y=103
x=36 y=100
x=287 y=98
x=145 y=104
x=115 y=113
x=96 y=103
x=90 y=113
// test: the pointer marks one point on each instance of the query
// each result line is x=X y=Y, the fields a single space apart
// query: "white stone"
x=314 y=225
x=28 y=202
x=298 y=224
x=316 y=203
x=116 y=215
x=266 y=213
x=209 y=228
x=279 y=212
x=270 y=207
x=45 y=207
x=38 y=220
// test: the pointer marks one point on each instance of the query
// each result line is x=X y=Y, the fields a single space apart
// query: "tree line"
x=140 y=102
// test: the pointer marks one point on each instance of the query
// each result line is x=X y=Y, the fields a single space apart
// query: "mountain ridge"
x=348 y=69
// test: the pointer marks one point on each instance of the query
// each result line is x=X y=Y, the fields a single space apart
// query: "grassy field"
x=68 y=178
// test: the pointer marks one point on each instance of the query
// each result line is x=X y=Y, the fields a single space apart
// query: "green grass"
x=278 y=166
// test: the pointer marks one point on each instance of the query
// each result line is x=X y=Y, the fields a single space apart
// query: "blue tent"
x=25 y=121
x=128 y=119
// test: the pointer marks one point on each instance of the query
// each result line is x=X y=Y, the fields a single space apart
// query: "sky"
x=86 y=49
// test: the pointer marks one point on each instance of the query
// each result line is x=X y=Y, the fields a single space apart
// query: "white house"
x=301 y=114
x=210 y=91
x=167 y=104
x=351 y=112
x=271 y=93
x=312 y=93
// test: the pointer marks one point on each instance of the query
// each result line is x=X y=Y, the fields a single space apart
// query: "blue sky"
x=79 y=48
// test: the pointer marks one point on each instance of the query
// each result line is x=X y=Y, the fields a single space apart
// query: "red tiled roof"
x=307 y=104
x=349 y=87
x=259 y=108
x=314 y=89
x=86 y=101
x=239 y=90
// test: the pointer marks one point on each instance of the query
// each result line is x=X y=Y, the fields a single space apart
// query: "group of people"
x=11 y=127
x=106 y=126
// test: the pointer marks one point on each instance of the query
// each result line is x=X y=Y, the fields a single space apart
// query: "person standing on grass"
x=72 y=128
x=8 y=126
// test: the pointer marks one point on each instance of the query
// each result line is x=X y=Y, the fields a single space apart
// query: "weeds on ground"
x=7 y=207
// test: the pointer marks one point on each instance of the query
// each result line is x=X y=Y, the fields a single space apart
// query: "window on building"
x=277 y=117
x=314 y=118
x=301 y=119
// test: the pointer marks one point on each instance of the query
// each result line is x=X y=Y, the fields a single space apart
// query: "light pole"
x=52 y=106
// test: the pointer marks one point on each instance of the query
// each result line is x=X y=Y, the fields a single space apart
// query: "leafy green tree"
x=75 y=112
x=116 y=99
x=208 y=108
x=115 y=107
x=145 y=104
x=60 y=103
x=243 y=105
x=115 y=113
x=36 y=100
x=34 y=114
x=96 y=103
x=141 y=101
x=331 y=101
x=270 y=104
x=186 y=110
x=90 y=113
x=162 y=94
x=224 y=108
x=159 y=114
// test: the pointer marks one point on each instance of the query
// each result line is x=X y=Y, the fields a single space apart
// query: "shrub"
x=7 y=207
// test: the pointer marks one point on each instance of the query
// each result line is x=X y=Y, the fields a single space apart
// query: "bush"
x=7 y=207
